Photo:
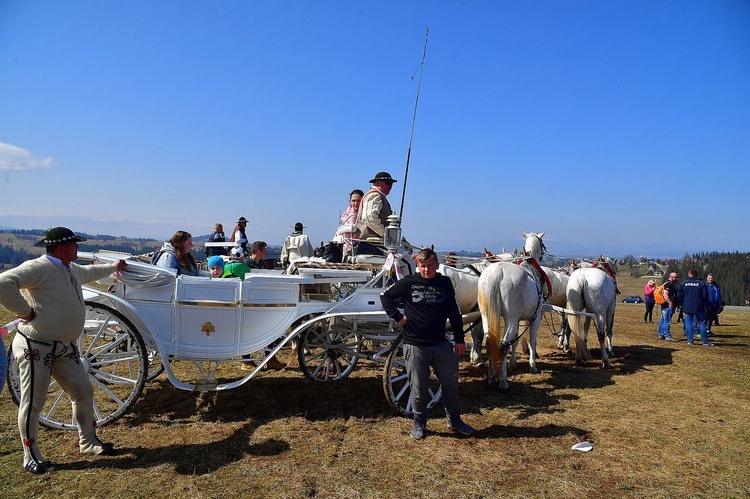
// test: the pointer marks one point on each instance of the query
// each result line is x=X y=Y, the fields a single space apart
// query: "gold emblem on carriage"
x=208 y=328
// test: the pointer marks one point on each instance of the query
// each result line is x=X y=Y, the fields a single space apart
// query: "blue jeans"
x=693 y=323
x=664 y=323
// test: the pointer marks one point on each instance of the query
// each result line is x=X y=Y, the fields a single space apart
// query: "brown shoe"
x=275 y=364
x=248 y=366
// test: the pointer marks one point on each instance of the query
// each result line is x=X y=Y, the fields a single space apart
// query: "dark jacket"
x=693 y=295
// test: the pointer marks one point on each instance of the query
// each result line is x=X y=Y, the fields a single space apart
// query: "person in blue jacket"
x=714 y=303
x=693 y=295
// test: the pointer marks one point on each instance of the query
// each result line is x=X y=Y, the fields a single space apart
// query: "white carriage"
x=148 y=320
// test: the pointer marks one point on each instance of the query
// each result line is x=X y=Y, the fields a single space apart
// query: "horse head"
x=533 y=244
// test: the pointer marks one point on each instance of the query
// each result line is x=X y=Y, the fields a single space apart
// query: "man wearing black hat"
x=238 y=234
x=46 y=294
x=373 y=213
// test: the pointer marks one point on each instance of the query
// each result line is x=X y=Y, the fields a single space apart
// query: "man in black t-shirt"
x=429 y=299
x=667 y=308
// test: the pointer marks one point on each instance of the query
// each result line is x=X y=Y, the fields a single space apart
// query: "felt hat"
x=384 y=176
x=298 y=226
x=59 y=235
x=215 y=261
x=242 y=220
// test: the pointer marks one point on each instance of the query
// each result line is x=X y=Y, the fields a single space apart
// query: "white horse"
x=465 y=283
x=513 y=292
x=534 y=246
x=593 y=290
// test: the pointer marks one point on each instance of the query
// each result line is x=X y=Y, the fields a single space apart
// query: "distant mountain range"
x=562 y=249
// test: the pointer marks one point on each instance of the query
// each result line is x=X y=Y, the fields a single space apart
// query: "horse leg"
x=508 y=345
x=580 y=356
x=564 y=341
x=532 y=347
x=610 y=326
x=601 y=332
x=477 y=338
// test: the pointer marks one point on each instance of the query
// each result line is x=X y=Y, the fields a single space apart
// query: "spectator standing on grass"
x=648 y=293
x=668 y=307
x=46 y=294
x=429 y=299
x=693 y=295
x=714 y=303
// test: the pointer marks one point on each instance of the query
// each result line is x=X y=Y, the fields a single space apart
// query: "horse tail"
x=490 y=306
x=576 y=301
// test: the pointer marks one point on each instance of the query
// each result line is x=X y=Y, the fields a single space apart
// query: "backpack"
x=659 y=295
x=155 y=256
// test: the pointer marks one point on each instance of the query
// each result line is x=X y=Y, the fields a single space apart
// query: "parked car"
x=632 y=299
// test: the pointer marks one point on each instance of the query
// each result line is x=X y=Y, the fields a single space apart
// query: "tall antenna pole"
x=414 y=120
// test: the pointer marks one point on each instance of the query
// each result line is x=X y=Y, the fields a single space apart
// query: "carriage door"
x=207 y=317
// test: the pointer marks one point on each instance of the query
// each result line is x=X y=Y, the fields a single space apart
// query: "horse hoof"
x=606 y=365
x=494 y=384
x=534 y=370
x=503 y=385
x=579 y=362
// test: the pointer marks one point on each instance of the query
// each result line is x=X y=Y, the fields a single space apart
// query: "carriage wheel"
x=329 y=349
x=396 y=382
x=115 y=358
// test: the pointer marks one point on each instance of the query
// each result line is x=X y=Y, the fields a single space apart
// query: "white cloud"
x=18 y=159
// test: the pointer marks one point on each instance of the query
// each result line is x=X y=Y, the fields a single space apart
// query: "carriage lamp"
x=393 y=233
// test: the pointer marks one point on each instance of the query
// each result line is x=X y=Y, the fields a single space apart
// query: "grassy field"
x=668 y=420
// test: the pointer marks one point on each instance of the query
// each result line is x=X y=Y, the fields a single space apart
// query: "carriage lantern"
x=393 y=233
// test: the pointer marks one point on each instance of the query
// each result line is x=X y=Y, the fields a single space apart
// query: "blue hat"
x=215 y=261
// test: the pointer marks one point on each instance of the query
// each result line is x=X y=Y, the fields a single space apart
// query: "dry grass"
x=668 y=420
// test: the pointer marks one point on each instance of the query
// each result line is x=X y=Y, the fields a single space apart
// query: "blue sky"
x=575 y=118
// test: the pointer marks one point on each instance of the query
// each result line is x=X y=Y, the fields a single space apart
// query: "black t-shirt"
x=427 y=304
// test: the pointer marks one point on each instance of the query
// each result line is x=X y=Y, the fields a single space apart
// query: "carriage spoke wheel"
x=115 y=359
x=396 y=382
x=329 y=349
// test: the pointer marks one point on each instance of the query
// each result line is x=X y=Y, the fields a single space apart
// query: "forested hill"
x=17 y=246
x=730 y=270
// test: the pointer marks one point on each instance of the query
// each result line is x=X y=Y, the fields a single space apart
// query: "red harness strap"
x=607 y=268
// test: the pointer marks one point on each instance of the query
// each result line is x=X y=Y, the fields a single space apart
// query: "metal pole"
x=413 y=121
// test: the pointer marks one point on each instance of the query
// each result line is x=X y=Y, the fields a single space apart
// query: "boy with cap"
x=46 y=294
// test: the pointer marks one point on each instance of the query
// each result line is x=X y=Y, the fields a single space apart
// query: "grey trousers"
x=38 y=361
x=444 y=361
